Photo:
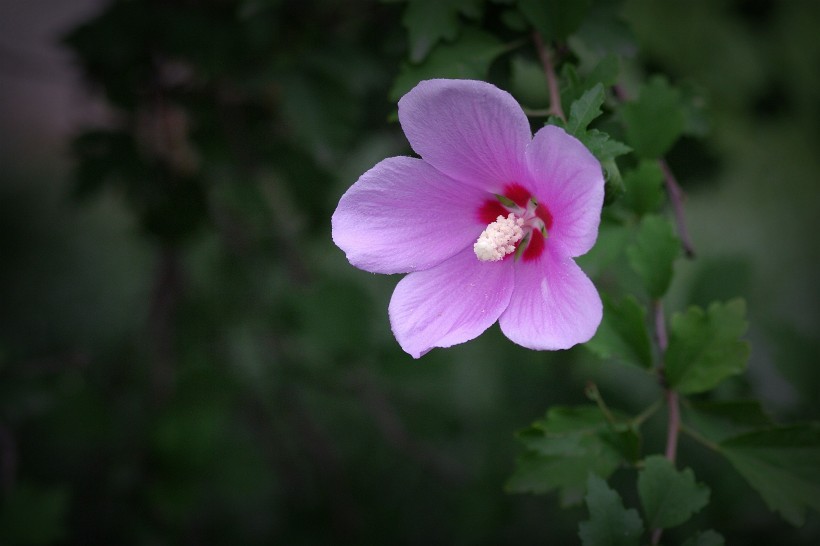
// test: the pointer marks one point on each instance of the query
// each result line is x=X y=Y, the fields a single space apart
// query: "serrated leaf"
x=554 y=19
x=613 y=183
x=612 y=240
x=706 y=538
x=669 y=497
x=603 y=146
x=718 y=420
x=644 y=188
x=429 y=21
x=585 y=109
x=609 y=524
x=783 y=465
x=623 y=334
x=469 y=57
x=705 y=346
x=653 y=253
x=654 y=121
x=565 y=446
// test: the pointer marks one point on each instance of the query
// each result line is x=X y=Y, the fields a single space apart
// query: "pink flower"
x=487 y=223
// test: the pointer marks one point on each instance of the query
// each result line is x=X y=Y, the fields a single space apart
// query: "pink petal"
x=568 y=179
x=554 y=304
x=449 y=304
x=468 y=129
x=403 y=215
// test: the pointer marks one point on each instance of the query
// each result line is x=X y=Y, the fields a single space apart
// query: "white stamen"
x=499 y=238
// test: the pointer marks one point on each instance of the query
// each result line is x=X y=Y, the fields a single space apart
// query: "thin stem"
x=673 y=426
x=699 y=438
x=647 y=413
x=676 y=197
x=672 y=399
x=660 y=328
x=593 y=393
x=545 y=54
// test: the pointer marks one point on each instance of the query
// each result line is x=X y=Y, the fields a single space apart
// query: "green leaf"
x=705 y=347
x=555 y=19
x=723 y=419
x=613 y=183
x=469 y=57
x=565 y=446
x=706 y=538
x=605 y=71
x=585 y=109
x=428 y=21
x=612 y=240
x=610 y=524
x=653 y=253
x=603 y=146
x=669 y=497
x=644 y=188
x=783 y=465
x=623 y=334
x=654 y=121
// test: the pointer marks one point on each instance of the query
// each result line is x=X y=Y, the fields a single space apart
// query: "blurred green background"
x=185 y=357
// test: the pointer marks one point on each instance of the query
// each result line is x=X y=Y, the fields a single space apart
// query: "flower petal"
x=470 y=130
x=554 y=304
x=569 y=180
x=449 y=304
x=403 y=215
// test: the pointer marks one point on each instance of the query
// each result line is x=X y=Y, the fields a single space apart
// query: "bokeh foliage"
x=186 y=358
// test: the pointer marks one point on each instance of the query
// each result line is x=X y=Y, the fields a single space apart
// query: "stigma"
x=499 y=239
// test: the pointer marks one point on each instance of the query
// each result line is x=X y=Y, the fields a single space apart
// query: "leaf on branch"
x=585 y=109
x=781 y=463
x=565 y=446
x=654 y=121
x=653 y=253
x=609 y=524
x=583 y=112
x=705 y=346
x=429 y=21
x=554 y=19
x=706 y=538
x=644 y=188
x=623 y=334
x=718 y=420
x=603 y=146
x=469 y=57
x=669 y=497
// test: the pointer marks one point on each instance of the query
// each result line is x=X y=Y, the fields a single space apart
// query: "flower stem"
x=672 y=400
x=545 y=54
x=698 y=437
x=676 y=197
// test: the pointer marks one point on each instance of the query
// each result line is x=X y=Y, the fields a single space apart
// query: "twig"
x=676 y=197
x=672 y=400
x=545 y=54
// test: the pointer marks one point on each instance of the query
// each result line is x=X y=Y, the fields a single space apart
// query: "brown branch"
x=545 y=54
x=676 y=197
x=672 y=401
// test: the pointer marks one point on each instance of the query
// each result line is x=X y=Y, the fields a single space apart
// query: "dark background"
x=185 y=357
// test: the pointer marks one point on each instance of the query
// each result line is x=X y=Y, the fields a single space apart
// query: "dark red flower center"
x=537 y=220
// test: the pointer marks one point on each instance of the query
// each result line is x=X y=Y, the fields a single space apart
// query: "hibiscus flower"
x=486 y=223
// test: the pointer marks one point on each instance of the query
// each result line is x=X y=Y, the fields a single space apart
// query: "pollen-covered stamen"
x=499 y=238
